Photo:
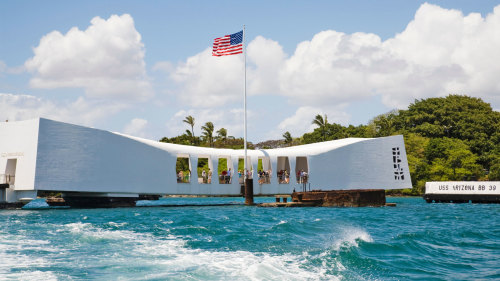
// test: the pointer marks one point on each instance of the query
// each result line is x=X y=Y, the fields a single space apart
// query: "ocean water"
x=413 y=241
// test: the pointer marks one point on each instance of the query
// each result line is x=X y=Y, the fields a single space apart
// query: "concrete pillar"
x=249 y=192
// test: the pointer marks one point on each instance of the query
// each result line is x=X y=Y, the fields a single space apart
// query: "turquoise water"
x=413 y=241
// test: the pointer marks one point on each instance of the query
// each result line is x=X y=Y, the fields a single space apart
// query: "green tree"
x=208 y=133
x=190 y=121
x=183 y=139
x=221 y=165
x=361 y=131
x=288 y=137
x=494 y=172
x=327 y=132
x=335 y=131
x=455 y=116
x=419 y=168
x=385 y=124
x=321 y=123
x=451 y=159
x=222 y=134
x=202 y=166
x=182 y=164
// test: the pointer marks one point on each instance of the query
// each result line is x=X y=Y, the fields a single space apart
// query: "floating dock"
x=462 y=192
x=332 y=198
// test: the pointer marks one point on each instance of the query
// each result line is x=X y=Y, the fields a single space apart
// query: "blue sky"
x=143 y=70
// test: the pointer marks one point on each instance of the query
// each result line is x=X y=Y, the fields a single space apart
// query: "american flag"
x=228 y=45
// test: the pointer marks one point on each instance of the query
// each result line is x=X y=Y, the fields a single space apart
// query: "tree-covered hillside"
x=451 y=138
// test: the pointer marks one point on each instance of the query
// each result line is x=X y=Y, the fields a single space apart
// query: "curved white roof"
x=300 y=150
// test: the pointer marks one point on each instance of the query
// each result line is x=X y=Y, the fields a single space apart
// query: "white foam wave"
x=166 y=257
x=232 y=265
x=36 y=275
x=87 y=230
x=116 y=224
x=17 y=264
x=349 y=237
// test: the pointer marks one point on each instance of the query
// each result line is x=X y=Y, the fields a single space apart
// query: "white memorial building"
x=45 y=155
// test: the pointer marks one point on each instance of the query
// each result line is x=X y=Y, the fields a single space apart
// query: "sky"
x=141 y=67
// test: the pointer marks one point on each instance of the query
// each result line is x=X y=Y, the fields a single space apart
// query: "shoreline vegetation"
x=453 y=138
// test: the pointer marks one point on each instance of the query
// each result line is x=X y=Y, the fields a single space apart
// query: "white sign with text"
x=463 y=187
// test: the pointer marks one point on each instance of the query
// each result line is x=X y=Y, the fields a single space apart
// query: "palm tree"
x=208 y=131
x=222 y=134
x=322 y=123
x=288 y=137
x=190 y=121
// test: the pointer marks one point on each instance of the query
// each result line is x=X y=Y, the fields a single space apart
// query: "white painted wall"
x=18 y=140
x=365 y=164
x=78 y=159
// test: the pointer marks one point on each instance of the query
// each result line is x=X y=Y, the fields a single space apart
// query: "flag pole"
x=245 y=103
x=248 y=182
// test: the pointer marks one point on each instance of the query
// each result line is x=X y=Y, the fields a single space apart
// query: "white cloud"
x=164 y=66
x=81 y=111
x=207 y=81
x=106 y=59
x=333 y=67
x=301 y=121
x=445 y=52
x=4 y=68
x=265 y=57
x=441 y=51
x=136 y=127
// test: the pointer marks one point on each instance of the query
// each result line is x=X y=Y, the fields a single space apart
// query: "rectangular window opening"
x=283 y=170
x=224 y=170
x=264 y=170
x=183 y=169
x=302 y=169
x=241 y=169
x=205 y=170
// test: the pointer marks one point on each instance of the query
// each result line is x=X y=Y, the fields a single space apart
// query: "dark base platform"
x=461 y=198
x=92 y=202
x=16 y=205
x=342 y=198
x=82 y=201
x=334 y=198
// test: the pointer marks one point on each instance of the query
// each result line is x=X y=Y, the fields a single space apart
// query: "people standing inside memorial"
x=229 y=175
x=181 y=176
